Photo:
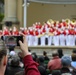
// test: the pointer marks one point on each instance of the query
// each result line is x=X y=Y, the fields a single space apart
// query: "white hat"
x=12 y=53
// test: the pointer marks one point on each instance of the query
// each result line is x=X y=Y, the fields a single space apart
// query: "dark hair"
x=73 y=57
x=34 y=56
x=44 y=53
x=74 y=51
x=15 y=61
x=56 y=72
x=41 y=59
x=60 y=52
x=11 y=48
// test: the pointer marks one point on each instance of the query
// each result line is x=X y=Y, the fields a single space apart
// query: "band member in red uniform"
x=15 y=31
x=71 y=37
x=62 y=37
x=56 y=37
x=30 y=36
x=50 y=38
x=5 y=31
x=35 y=34
x=10 y=31
x=42 y=31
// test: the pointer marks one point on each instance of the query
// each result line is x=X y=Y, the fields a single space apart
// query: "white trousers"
x=30 y=40
x=50 y=40
x=35 y=42
x=42 y=40
x=62 y=40
x=70 y=40
x=56 y=40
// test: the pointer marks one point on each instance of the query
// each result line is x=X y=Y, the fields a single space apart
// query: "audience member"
x=29 y=64
x=11 y=48
x=60 y=52
x=55 y=63
x=41 y=61
x=66 y=62
x=42 y=66
x=74 y=51
x=35 y=57
x=73 y=63
x=14 y=66
x=46 y=58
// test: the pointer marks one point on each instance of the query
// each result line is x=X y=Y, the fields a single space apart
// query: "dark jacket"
x=65 y=71
x=12 y=70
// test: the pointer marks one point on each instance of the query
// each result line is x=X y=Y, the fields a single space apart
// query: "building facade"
x=36 y=12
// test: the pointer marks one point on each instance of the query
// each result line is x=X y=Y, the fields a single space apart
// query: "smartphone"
x=12 y=40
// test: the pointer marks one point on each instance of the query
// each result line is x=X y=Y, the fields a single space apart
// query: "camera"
x=12 y=40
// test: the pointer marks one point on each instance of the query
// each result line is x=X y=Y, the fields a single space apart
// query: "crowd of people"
x=26 y=63
x=59 y=64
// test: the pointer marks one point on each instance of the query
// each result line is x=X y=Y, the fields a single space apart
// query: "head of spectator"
x=41 y=59
x=12 y=53
x=60 y=52
x=66 y=61
x=15 y=61
x=73 y=63
x=46 y=58
x=73 y=56
x=3 y=57
x=55 y=54
x=66 y=65
x=44 y=53
x=34 y=56
x=74 y=51
x=29 y=50
x=11 y=48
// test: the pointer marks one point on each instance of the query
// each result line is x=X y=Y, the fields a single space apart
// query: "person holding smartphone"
x=29 y=63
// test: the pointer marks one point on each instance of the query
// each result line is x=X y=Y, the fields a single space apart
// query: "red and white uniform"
x=62 y=38
x=10 y=32
x=15 y=31
x=71 y=38
x=56 y=38
x=35 y=34
x=42 y=32
x=50 y=38
x=5 y=31
x=30 y=37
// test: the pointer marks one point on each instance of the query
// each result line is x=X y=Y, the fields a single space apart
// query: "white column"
x=11 y=10
x=25 y=13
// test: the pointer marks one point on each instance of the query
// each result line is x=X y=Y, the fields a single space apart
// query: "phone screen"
x=12 y=40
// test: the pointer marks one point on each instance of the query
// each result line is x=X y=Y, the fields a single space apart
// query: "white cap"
x=12 y=53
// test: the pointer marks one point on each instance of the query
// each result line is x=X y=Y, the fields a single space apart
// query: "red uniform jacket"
x=30 y=66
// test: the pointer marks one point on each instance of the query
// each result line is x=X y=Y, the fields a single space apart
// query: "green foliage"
x=1 y=17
